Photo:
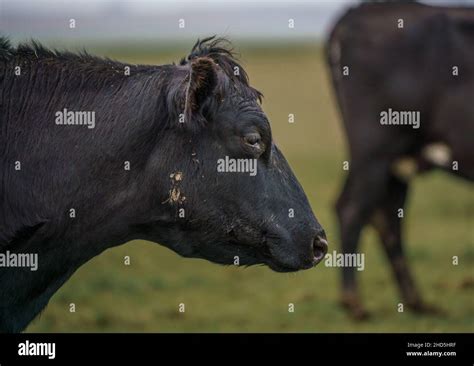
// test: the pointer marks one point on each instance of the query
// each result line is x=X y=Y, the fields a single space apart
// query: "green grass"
x=112 y=297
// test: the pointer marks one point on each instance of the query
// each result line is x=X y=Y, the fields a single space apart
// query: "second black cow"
x=404 y=81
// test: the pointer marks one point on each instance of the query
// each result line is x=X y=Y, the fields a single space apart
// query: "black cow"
x=95 y=153
x=414 y=63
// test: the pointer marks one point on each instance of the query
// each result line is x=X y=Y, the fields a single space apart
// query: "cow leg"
x=388 y=225
x=363 y=188
x=350 y=227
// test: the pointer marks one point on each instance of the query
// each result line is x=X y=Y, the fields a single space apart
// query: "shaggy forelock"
x=220 y=50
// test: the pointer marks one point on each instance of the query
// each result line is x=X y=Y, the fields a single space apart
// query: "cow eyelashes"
x=254 y=144
x=253 y=139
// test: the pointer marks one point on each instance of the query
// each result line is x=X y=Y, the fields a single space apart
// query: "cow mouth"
x=272 y=260
x=283 y=268
x=277 y=267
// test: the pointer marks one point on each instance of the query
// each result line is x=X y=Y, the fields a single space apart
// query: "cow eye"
x=253 y=139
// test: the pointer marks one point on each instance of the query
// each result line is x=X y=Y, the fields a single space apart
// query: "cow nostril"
x=320 y=248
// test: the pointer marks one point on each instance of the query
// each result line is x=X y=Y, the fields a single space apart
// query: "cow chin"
x=282 y=268
x=245 y=256
x=289 y=264
x=231 y=253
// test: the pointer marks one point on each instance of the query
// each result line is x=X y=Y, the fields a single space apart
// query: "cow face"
x=230 y=196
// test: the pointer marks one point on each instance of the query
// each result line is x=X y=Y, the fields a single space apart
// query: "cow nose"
x=320 y=248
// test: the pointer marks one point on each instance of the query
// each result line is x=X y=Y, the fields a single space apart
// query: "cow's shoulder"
x=19 y=234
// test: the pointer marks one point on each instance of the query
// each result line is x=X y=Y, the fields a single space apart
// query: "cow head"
x=228 y=195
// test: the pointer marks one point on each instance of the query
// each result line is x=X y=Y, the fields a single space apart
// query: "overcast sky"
x=160 y=19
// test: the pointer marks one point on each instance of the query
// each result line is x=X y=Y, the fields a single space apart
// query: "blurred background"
x=287 y=65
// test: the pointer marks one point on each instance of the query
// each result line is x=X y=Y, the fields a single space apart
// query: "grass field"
x=144 y=296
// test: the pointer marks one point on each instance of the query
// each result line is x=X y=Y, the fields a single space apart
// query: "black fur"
x=172 y=167
x=409 y=69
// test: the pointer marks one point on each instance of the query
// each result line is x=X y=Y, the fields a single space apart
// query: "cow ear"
x=202 y=81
